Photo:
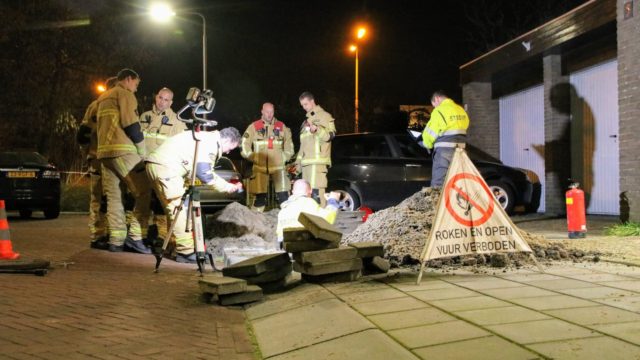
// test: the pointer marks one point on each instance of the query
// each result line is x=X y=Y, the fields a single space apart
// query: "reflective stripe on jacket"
x=448 y=124
x=255 y=145
x=315 y=148
x=290 y=211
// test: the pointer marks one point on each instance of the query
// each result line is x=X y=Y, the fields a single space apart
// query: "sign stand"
x=468 y=218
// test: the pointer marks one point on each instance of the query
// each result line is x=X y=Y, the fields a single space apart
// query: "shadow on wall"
x=625 y=209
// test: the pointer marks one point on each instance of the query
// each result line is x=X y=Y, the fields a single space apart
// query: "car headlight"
x=531 y=176
x=51 y=174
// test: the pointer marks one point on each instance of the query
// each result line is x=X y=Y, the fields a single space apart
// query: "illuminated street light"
x=100 y=88
x=360 y=33
x=163 y=12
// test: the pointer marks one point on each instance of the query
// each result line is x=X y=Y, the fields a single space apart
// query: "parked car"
x=381 y=170
x=28 y=182
x=212 y=200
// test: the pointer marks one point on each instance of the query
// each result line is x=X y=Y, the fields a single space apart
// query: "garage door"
x=522 y=132
x=594 y=136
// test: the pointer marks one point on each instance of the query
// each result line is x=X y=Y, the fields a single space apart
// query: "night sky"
x=273 y=50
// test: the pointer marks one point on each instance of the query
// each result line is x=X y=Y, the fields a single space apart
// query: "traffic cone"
x=6 y=250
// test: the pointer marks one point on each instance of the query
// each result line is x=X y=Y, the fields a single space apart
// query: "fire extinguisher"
x=576 y=217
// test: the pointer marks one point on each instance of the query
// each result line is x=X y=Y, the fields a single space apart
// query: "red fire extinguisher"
x=576 y=217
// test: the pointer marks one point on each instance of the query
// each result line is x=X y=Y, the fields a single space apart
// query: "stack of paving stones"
x=318 y=256
x=271 y=272
x=229 y=291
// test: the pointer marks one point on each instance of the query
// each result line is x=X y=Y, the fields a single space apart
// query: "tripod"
x=191 y=196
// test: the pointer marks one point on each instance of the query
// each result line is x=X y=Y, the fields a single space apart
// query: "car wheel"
x=349 y=200
x=503 y=194
x=25 y=213
x=52 y=212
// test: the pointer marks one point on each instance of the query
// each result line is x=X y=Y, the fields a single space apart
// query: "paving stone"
x=629 y=331
x=494 y=283
x=410 y=318
x=485 y=348
x=375 y=265
x=368 y=249
x=308 y=245
x=632 y=285
x=368 y=344
x=560 y=284
x=469 y=303
x=293 y=235
x=598 y=277
x=355 y=287
x=529 y=332
x=306 y=325
x=222 y=285
x=270 y=275
x=502 y=315
x=320 y=228
x=328 y=267
x=424 y=285
x=519 y=292
x=553 y=302
x=595 y=315
x=586 y=349
x=439 y=333
x=375 y=295
x=600 y=292
x=439 y=294
x=286 y=283
x=530 y=276
x=253 y=293
x=631 y=303
x=305 y=294
x=257 y=265
x=390 y=305
x=329 y=255
x=340 y=277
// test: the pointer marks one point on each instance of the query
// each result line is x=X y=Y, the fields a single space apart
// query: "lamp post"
x=162 y=13
x=360 y=33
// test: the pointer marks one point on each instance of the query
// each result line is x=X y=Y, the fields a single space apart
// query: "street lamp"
x=360 y=33
x=162 y=13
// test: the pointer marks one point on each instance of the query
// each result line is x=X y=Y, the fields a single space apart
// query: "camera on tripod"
x=202 y=101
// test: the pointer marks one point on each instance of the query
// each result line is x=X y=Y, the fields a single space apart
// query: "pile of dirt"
x=403 y=230
x=238 y=226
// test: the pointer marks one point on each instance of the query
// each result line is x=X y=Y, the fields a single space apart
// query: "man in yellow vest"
x=88 y=139
x=169 y=168
x=301 y=201
x=314 y=156
x=159 y=124
x=267 y=143
x=121 y=150
x=446 y=130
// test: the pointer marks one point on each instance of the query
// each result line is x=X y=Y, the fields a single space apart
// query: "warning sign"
x=468 y=218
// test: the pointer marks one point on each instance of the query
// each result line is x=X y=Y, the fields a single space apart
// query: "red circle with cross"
x=452 y=185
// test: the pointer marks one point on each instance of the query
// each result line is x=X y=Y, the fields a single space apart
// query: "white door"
x=522 y=132
x=594 y=136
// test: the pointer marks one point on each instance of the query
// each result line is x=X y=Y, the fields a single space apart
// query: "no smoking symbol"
x=465 y=204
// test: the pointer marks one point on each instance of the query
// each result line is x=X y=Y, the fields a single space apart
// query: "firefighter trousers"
x=97 y=218
x=128 y=168
x=169 y=189
x=316 y=175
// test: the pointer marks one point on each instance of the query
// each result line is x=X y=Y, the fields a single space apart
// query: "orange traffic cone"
x=6 y=250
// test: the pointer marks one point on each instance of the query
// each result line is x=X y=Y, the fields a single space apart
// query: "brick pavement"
x=109 y=306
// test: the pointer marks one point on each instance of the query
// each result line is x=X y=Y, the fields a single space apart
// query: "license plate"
x=21 y=174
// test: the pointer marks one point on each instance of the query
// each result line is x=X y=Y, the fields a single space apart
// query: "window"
x=368 y=146
x=410 y=148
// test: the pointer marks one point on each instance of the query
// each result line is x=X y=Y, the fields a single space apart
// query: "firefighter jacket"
x=176 y=155
x=159 y=126
x=290 y=211
x=87 y=136
x=119 y=131
x=268 y=146
x=315 y=148
x=447 y=126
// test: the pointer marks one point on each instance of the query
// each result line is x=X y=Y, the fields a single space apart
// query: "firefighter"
x=301 y=201
x=121 y=151
x=446 y=130
x=267 y=143
x=169 y=168
x=159 y=124
x=314 y=156
x=87 y=138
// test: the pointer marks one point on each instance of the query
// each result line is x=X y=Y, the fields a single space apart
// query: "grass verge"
x=626 y=229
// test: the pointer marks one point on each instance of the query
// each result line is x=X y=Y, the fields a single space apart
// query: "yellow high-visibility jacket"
x=447 y=126
x=117 y=111
x=267 y=146
x=157 y=127
x=290 y=211
x=315 y=148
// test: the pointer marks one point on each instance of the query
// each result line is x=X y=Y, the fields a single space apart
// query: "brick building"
x=564 y=101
